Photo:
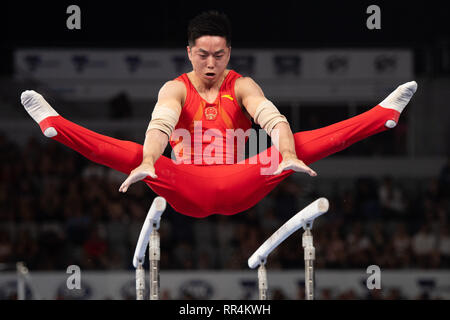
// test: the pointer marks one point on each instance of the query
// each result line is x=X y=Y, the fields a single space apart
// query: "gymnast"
x=206 y=175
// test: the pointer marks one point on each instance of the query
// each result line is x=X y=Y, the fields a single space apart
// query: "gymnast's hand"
x=138 y=174
x=291 y=162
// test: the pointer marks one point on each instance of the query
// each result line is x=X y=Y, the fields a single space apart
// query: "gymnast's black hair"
x=209 y=23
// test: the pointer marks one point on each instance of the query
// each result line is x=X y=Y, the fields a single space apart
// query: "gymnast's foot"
x=398 y=99
x=38 y=109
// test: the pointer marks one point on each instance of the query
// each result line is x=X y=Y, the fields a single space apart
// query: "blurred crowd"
x=59 y=209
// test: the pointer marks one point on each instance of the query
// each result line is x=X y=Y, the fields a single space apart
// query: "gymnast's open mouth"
x=210 y=74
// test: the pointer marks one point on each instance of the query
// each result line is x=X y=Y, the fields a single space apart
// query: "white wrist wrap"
x=163 y=119
x=268 y=116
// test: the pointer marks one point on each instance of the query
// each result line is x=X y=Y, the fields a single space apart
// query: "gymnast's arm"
x=264 y=113
x=164 y=119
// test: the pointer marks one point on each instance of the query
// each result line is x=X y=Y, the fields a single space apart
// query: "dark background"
x=357 y=213
x=163 y=23
x=149 y=24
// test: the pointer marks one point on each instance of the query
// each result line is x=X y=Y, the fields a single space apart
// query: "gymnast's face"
x=209 y=57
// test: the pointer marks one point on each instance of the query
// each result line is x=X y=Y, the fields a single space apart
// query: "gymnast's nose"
x=210 y=62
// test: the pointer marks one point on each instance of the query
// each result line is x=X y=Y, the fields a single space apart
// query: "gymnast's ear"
x=189 y=52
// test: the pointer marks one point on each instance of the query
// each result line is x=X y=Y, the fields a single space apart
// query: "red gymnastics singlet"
x=211 y=127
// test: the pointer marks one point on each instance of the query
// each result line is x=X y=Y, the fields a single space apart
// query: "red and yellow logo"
x=211 y=113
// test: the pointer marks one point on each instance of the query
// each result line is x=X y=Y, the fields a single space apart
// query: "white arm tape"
x=268 y=116
x=164 y=119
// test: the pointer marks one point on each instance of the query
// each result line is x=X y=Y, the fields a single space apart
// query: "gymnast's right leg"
x=117 y=154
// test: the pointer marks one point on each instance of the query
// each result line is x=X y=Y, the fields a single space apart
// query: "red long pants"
x=200 y=191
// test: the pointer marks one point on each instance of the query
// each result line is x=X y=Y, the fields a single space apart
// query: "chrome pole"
x=262 y=281
x=154 y=256
x=310 y=255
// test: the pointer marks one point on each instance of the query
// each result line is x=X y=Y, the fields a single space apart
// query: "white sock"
x=36 y=106
x=400 y=97
x=38 y=109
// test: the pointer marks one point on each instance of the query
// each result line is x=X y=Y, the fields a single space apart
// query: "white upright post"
x=154 y=256
x=21 y=273
x=140 y=281
x=310 y=255
x=262 y=281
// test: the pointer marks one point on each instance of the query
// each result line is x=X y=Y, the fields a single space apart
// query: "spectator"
x=444 y=180
x=120 y=106
x=391 y=198
x=367 y=203
x=6 y=246
x=95 y=249
x=423 y=244
x=394 y=294
x=116 y=230
x=347 y=295
x=444 y=245
x=335 y=251
x=26 y=248
x=204 y=235
x=301 y=293
x=358 y=244
x=325 y=294
x=52 y=186
x=184 y=256
x=278 y=294
x=401 y=242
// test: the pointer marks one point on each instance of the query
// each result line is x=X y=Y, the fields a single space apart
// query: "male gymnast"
x=208 y=176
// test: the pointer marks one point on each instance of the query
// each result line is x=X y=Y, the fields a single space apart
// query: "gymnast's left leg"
x=317 y=144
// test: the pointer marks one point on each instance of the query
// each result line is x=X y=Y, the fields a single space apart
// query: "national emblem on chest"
x=211 y=112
